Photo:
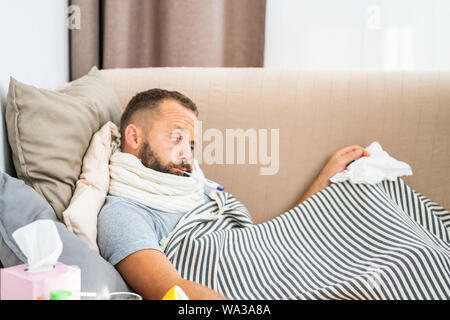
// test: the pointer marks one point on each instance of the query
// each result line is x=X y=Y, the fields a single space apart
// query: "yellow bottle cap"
x=175 y=293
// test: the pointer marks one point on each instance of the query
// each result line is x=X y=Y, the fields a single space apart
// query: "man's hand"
x=337 y=163
x=341 y=159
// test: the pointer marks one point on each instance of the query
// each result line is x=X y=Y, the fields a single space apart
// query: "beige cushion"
x=317 y=113
x=49 y=132
x=90 y=192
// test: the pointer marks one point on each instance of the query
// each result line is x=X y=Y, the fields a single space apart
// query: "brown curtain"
x=167 y=33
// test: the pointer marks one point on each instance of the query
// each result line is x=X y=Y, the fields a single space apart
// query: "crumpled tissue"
x=377 y=167
x=40 y=243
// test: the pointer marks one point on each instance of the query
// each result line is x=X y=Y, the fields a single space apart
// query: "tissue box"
x=18 y=284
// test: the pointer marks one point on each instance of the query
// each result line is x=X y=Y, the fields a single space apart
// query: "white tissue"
x=377 y=167
x=40 y=243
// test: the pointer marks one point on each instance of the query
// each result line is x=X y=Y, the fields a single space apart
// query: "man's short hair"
x=151 y=100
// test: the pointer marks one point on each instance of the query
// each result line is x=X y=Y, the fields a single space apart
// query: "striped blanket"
x=348 y=241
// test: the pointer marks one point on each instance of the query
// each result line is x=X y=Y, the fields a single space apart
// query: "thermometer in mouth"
x=208 y=182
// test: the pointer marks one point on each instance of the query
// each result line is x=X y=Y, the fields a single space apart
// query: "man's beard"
x=151 y=160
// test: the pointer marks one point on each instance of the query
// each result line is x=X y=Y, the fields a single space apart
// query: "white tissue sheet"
x=40 y=243
x=377 y=167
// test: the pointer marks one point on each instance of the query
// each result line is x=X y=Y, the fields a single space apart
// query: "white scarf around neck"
x=161 y=191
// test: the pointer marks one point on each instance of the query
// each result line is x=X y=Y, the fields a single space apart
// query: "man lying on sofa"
x=157 y=131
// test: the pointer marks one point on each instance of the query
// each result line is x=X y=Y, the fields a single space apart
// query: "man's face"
x=169 y=143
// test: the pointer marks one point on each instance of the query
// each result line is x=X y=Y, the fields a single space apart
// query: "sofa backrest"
x=316 y=113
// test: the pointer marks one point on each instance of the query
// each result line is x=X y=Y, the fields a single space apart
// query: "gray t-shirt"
x=125 y=226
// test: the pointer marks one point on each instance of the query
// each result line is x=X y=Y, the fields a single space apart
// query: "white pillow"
x=91 y=189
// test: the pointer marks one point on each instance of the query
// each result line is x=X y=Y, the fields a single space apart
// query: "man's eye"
x=176 y=139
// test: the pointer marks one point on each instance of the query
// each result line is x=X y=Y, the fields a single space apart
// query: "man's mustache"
x=182 y=165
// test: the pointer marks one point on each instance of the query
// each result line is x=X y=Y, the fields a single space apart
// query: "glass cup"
x=122 y=296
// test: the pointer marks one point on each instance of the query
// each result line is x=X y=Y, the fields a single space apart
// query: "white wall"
x=358 y=34
x=34 y=49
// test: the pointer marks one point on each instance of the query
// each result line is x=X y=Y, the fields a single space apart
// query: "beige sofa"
x=316 y=113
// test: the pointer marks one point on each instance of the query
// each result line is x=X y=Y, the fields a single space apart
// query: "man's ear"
x=133 y=137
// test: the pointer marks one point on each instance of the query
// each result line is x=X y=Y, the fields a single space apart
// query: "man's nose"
x=186 y=153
